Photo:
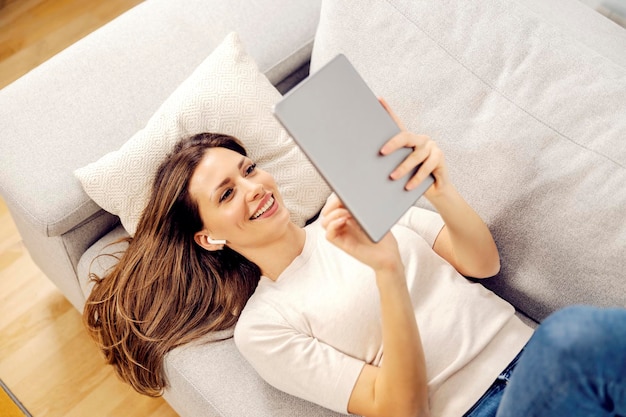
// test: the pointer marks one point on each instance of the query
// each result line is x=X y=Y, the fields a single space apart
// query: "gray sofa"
x=526 y=98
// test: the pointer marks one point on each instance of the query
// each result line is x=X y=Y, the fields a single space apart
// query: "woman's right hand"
x=343 y=231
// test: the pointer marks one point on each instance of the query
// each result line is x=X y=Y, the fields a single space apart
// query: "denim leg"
x=574 y=365
x=487 y=405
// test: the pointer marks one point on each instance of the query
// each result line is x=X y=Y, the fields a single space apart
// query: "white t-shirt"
x=310 y=332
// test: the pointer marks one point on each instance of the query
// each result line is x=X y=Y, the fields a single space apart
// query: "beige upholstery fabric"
x=531 y=116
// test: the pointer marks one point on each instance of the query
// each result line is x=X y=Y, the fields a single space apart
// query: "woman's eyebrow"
x=227 y=179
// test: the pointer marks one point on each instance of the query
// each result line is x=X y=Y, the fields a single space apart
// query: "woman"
x=315 y=306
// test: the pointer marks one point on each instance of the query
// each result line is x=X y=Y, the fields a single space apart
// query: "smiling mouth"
x=262 y=210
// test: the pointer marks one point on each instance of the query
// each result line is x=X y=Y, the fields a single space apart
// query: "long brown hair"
x=166 y=290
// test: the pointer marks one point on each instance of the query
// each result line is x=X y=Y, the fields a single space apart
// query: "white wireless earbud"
x=215 y=241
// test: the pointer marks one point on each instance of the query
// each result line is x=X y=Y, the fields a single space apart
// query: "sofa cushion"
x=213 y=379
x=531 y=117
x=225 y=94
x=89 y=99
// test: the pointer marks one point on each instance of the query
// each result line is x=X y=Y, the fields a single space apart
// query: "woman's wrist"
x=441 y=194
x=392 y=271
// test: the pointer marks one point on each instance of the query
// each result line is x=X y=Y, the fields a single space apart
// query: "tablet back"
x=340 y=125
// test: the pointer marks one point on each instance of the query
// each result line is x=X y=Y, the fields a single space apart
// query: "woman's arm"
x=465 y=241
x=398 y=387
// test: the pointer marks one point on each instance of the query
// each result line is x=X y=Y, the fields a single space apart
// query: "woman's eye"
x=226 y=194
x=250 y=169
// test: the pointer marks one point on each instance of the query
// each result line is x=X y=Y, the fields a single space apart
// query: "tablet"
x=340 y=125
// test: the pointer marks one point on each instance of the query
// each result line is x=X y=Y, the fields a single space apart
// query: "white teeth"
x=263 y=209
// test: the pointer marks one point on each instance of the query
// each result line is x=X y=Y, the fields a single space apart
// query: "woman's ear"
x=205 y=241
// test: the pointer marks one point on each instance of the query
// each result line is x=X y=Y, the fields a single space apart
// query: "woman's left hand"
x=425 y=152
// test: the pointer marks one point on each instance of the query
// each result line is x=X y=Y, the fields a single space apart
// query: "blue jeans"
x=488 y=404
x=573 y=366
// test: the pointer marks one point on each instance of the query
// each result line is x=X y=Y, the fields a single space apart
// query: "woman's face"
x=238 y=202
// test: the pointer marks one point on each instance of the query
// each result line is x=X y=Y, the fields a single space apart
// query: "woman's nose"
x=254 y=190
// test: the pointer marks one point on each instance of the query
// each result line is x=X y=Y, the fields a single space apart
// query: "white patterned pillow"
x=226 y=94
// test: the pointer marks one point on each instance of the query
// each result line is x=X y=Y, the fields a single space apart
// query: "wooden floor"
x=46 y=357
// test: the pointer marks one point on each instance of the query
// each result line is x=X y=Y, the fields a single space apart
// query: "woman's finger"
x=414 y=159
x=334 y=215
x=404 y=139
x=428 y=167
x=335 y=228
x=393 y=115
x=332 y=203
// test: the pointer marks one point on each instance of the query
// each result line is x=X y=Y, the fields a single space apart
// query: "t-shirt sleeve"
x=296 y=363
x=426 y=223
